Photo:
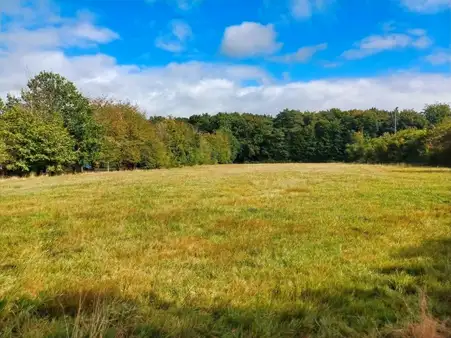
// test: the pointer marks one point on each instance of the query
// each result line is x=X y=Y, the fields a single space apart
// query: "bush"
x=407 y=146
x=439 y=142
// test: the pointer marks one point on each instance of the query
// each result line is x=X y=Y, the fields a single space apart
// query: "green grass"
x=323 y=250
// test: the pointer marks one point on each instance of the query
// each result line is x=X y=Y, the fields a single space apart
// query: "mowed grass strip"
x=323 y=250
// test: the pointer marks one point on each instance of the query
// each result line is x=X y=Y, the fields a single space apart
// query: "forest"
x=51 y=128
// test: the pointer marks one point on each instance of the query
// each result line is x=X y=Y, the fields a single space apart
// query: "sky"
x=184 y=57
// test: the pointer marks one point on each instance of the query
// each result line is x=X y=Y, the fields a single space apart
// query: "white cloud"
x=374 y=44
x=250 y=39
x=302 y=9
x=184 y=89
x=302 y=55
x=195 y=87
x=426 y=6
x=176 y=40
x=40 y=28
x=439 y=58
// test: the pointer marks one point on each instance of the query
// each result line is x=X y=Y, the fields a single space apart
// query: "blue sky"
x=179 y=57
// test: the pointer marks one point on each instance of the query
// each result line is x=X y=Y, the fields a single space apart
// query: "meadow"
x=265 y=250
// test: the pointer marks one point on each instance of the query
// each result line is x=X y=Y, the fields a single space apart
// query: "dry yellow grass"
x=234 y=250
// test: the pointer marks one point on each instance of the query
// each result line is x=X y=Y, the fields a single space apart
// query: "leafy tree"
x=4 y=157
x=407 y=146
x=53 y=96
x=206 y=151
x=357 y=150
x=128 y=139
x=33 y=144
x=221 y=149
x=182 y=141
x=411 y=119
x=437 y=113
x=439 y=140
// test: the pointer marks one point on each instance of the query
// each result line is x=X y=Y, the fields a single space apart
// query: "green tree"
x=128 y=139
x=221 y=147
x=181 y=140
x=439 y=141
x=33 y=144
x=53 y=96
x=407 y=146
x=357 y=149
x=409 y=118
x=4 y=157
x=437 y=113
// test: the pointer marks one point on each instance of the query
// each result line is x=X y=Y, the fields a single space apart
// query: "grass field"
x=281 y=250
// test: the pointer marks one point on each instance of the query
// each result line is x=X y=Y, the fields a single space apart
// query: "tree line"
x=52 y=128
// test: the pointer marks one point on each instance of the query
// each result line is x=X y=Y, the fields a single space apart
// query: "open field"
x=286 y=250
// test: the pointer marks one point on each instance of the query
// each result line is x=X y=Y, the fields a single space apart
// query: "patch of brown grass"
x=427 y=326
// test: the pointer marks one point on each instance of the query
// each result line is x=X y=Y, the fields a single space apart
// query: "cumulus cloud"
x=41 y=28
x=303 y=54
x=181 y=89
x=374 y=44
x=81 y=34
x=250 y=39
x=175 y=41
x=188 y=88
x=426 y=6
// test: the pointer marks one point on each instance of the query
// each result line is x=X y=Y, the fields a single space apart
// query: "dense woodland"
x=52 y=128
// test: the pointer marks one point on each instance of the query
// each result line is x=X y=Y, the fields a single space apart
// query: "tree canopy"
x=51 y=128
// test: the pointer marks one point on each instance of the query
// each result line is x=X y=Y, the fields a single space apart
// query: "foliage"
x=181 y=140
x=221 y=147
x=440 y=144
x=4 y=157
x=117 y=135
x=437 y=113
x=407 y=146
x=33 y=144
x=54 y=96
x=357 y=150
x=128 y=139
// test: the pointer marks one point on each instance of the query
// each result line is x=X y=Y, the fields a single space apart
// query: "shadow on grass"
x=429 y=266
x=93 y=314
x=339 y=312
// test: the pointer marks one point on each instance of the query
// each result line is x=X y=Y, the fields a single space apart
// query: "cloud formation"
x=189 y=88
x=373 y=44
x=39 y=37
x=302 y=55
x=250 y=39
